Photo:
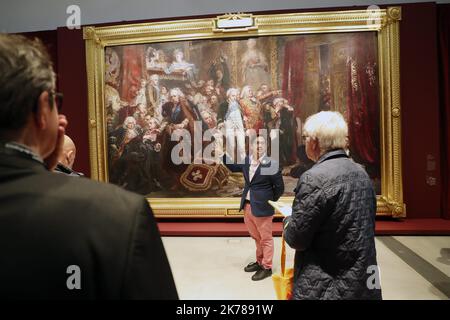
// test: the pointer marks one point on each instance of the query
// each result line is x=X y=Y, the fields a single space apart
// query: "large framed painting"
x=149 y=81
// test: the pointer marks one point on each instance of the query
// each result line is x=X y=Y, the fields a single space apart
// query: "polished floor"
x=210 y=268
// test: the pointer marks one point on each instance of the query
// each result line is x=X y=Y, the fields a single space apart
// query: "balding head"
x=69 y=151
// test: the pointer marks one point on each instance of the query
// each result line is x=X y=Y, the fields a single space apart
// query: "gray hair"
x=329 y=128
x=245 y=91
x=177 y=91
x=26 y=71
x=277 y=100
x=129 y=120
x=231 y=90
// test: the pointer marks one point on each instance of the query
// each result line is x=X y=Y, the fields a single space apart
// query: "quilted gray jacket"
x=332 y=229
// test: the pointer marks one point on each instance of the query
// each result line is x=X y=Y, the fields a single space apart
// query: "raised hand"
x=52 y=160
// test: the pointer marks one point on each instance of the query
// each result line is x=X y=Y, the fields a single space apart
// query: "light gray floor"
x=210 y=268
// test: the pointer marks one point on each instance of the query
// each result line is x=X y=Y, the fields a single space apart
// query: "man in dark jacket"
x=332 y=227
x=62 y=237
x=263 y=182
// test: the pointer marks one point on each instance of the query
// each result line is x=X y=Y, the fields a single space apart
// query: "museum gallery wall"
x=421 y=152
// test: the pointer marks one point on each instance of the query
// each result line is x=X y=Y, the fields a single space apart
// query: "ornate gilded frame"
x=384 y=21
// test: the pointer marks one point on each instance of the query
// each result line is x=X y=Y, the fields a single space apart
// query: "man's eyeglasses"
x=58 y=99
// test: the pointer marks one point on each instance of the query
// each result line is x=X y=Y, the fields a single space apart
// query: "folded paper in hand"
x=283 y=208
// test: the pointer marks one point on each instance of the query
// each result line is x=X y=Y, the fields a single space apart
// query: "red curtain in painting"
x=363 y=101
x=133 y=66
x=444 y=80
x=293 y=73
x=293 y=80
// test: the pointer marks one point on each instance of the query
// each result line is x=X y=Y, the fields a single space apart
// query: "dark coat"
x=175 y=115
x=223 y=108
x=60 y=168
x=197 y=115
x=50 y=221
x=332 y=229
x=263 y=187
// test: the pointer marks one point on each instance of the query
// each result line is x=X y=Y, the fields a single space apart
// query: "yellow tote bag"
x=284 y=281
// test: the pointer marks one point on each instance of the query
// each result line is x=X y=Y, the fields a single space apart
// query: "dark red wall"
x=420 y=115
x=73 y=83
x=66 y=48
x=443 y=17
x=421 y=152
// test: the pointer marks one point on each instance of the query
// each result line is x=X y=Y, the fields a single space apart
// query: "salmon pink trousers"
x=260 y=229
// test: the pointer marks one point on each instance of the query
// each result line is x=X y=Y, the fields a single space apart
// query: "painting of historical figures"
x=272 y=82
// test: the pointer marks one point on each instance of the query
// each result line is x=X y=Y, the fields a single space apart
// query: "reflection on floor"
x=209 y=268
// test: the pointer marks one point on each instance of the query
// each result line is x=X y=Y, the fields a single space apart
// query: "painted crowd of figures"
x=139 y=132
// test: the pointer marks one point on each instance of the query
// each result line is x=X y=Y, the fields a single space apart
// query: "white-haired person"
x=231 y=119
x=251 y=107
x=332 y=226
x=152 y=130
x=176 y=115
x=175 y=112
x=209 y=119
x=126 y=133
x=152 y=143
